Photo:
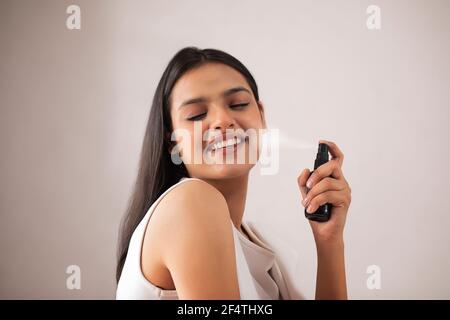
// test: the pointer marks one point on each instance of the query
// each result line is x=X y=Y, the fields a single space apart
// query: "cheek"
x=252 y=120
x=190 y=139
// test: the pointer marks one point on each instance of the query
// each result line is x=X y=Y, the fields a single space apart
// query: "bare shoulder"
x=190 y=236
x=194 y=205
x=193 y=200
x=193 y=194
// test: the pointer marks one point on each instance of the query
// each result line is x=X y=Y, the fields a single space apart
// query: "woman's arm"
x=197 y=242
x=328 y=185
x=330 y=282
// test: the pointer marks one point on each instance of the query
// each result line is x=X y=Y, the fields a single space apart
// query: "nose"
x=222 y=119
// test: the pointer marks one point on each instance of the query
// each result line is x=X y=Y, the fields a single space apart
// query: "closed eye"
x=234 y=107
x=239 y=106
x=197 y=117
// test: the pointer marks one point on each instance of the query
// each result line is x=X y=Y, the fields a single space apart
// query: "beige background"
x=74 y=105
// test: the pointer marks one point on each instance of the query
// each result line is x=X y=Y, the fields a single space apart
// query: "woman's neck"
x=234 y=191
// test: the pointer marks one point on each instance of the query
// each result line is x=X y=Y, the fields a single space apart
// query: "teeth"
x=226 y=143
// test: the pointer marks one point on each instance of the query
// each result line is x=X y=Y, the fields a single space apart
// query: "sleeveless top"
x=259 y=276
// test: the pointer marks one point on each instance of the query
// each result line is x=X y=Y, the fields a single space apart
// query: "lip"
x=224 y=137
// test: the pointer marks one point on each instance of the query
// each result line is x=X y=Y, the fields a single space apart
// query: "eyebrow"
x=226 y=93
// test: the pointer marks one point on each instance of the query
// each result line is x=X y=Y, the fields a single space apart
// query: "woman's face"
x=213 y=110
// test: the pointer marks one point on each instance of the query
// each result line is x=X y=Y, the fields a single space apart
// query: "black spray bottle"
x=323 y=212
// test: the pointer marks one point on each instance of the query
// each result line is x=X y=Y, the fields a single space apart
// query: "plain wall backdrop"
x=74 y=105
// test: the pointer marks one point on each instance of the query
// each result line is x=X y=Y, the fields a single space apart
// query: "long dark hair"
x=157 y=172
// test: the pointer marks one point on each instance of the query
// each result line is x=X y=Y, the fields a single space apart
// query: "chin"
x=224 y=171
x=228 y=171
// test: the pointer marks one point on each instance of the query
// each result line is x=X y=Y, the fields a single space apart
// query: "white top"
x=259 y=276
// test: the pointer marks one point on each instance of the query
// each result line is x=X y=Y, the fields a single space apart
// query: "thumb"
x=301 y=180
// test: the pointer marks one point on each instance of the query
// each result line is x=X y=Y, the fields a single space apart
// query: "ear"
x=170 y=143
x=261 y=111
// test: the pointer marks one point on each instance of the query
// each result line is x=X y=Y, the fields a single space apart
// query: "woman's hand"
x=327 y=185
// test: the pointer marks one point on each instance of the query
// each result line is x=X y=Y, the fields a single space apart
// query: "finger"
x=335 y=198
x=324 y=185
x=301 y=180
x=331 y=168
x=303 y=177
x=336 y=153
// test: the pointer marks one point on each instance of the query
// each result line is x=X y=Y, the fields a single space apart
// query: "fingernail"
x=305 y=201
x=308 y=183
x=309 y=209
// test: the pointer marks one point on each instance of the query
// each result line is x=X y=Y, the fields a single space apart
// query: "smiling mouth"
x=228 y=144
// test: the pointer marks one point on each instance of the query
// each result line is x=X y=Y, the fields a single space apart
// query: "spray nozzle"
x=322 y=155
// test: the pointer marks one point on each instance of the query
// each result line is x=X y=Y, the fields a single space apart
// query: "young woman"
x=196 y=244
